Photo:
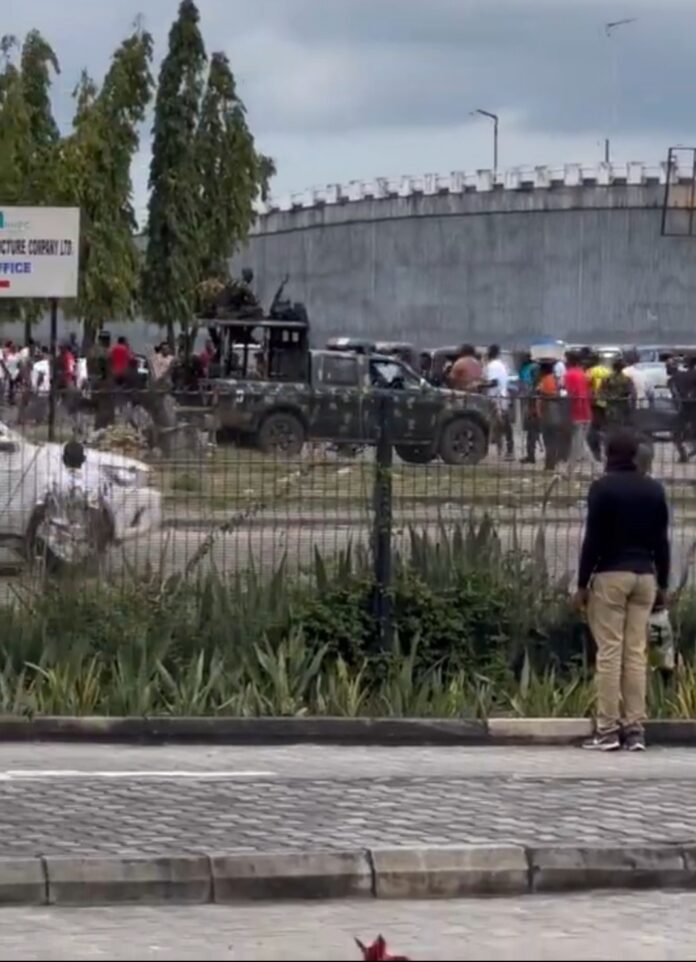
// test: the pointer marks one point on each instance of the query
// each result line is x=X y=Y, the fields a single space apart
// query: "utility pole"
x=609 y=29
x=494 y=118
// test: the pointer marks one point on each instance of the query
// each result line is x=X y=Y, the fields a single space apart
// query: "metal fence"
x=189 y=502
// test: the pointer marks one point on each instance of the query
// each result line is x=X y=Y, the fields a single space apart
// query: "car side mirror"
x=8 y=447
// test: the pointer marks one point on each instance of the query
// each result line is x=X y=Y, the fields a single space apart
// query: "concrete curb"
x=417 y=873
x=325 y=730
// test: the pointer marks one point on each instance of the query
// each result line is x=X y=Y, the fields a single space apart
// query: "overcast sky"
x=345 y=89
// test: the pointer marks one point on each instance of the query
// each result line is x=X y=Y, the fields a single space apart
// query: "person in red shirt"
x=579 y=394
x=66 y=368
x=119 y=360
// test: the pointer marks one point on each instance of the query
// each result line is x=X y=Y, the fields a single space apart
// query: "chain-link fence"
x=154 y=489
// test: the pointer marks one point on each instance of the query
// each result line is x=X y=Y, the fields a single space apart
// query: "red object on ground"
x=378 y=952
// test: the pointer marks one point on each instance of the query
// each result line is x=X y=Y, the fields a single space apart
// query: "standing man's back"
x=624 y=569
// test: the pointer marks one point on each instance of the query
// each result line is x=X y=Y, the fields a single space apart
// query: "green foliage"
x=231 y=173
x=172 y=259
x=28 y=138
x=96 y=163
x=37 y=61
x=259 y=643
x=204 y=177
x=15 y=136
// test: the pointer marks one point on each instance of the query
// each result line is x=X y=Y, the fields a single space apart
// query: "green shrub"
x=477 y=631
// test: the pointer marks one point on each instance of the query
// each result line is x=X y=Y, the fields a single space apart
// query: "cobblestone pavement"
x=652 y=925
x=104 y=799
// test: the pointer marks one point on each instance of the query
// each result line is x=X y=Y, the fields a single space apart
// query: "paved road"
x=268 y=545
x=72 y=800
x=652 y=925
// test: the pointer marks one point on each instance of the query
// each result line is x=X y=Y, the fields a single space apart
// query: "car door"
x=414 y=403
x=336 y=398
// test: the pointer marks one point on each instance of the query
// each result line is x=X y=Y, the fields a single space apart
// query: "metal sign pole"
x=53 y=370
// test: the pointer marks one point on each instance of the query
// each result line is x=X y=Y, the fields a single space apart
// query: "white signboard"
x=39 y=251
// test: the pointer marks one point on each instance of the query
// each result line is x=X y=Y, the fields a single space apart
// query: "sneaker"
x=603 y=742
x=634 y=742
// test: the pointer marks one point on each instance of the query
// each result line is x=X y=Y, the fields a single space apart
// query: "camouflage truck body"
x=344 y=402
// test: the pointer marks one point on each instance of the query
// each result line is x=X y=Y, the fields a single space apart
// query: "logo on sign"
x=12 y=224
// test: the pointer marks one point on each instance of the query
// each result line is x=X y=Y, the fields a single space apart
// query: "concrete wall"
x=578 y=255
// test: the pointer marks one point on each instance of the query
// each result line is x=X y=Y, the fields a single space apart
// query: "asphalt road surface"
x=266 y=545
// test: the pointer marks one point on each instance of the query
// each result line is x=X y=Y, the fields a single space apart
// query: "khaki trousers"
x=618 y=611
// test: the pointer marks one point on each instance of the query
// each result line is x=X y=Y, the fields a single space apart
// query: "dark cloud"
x=427 y=63
x=373 y=82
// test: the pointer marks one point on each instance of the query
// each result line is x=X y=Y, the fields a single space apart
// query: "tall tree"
x=15 y=129
x=28 y=136
x=172 y=258
x=37 y=62
x=95 y=172
x=231 y=173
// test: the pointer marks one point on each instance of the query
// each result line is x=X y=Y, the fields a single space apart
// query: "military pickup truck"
x=343 y=399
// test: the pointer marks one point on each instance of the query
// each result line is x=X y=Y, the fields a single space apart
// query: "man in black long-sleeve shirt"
x=624 y=567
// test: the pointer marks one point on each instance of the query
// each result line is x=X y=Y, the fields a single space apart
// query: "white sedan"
x=67 y=503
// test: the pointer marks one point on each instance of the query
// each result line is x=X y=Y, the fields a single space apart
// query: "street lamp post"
x=494 y=118
x=609 y=29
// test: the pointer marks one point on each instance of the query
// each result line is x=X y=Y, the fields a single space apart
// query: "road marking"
x=20 y=774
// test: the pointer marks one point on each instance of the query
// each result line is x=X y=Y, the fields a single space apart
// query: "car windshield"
x=387 y=373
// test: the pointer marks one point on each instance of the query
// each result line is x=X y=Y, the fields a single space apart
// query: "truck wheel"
x=281 y=433
x=416 y=453
x=463 y=441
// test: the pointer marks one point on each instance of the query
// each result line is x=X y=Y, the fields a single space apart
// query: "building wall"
x=576 y=253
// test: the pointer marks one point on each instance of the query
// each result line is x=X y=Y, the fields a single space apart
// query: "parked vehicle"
x=69 y=514
x=341 y=402
x=403 y=351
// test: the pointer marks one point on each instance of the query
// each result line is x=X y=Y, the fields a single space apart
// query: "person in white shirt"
x=637 y=377
x=497 y=377
x=559 y=372
x=41 y=376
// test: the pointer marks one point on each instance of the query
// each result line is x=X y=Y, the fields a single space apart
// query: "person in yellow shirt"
x=597 y=373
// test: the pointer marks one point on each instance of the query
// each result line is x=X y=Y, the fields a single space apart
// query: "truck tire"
x=281 y=433
x=463 y=441
x=416 y=453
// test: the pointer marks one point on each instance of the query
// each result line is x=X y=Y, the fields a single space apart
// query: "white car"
x=70 y=514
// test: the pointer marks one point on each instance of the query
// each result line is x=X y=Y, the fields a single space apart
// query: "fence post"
x=382 y=532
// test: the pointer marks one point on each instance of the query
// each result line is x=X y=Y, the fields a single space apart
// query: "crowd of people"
x=569 y=405
x=28 y=372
